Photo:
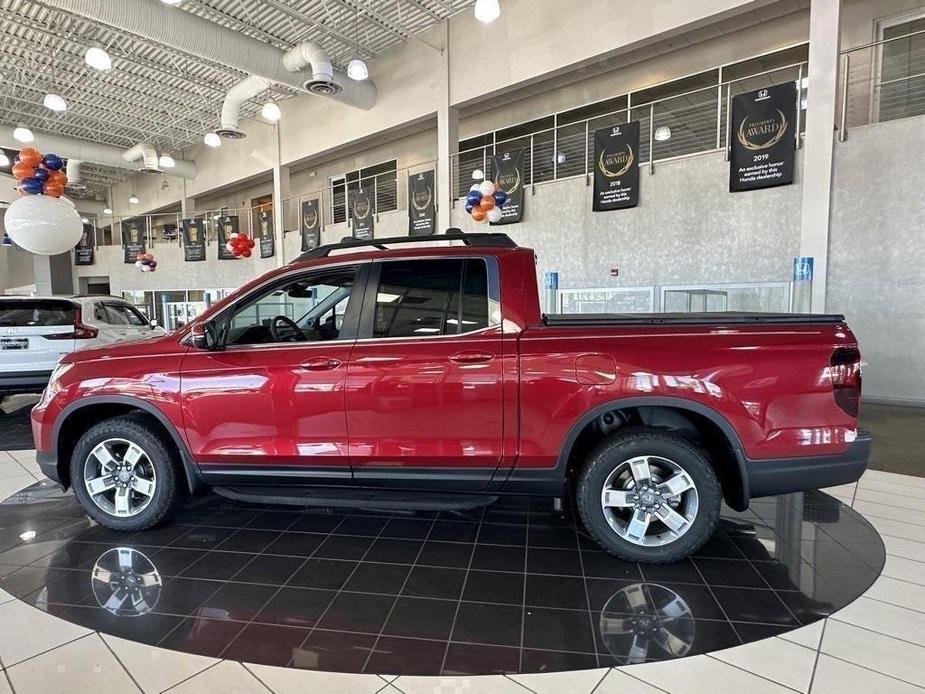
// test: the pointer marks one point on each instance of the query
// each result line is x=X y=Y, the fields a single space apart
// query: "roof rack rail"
x=453 y=234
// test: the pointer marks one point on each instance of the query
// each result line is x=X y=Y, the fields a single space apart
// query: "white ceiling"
x=159 y=95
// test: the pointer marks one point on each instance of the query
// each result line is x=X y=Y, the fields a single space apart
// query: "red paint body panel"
x=406 y=403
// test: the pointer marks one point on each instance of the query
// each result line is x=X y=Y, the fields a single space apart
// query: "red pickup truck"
x=420 y=373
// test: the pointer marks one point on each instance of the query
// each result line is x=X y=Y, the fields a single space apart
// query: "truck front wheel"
x=647 y=495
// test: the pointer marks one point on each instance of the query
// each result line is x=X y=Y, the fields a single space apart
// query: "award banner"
x=226 y=226
x=194 y=240
x=311 y=224
x=616 y=167
x=360 y=205
x=133 y=240
x=264 y=233
x=763 y=146
x=83 y=251
x=422 y=219
x=508 y=168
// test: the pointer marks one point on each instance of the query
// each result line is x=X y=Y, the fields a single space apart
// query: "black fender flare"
x=738 y=503
x=191 y=470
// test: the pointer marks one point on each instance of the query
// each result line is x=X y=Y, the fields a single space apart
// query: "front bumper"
x=14 y=383
x=786 y=475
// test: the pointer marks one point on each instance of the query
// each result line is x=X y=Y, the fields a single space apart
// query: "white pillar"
x=820 y=141
x=281 y=202
x=447 y=138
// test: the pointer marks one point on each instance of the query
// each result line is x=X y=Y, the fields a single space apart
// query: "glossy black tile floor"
x=509 y=588
x=15 y=426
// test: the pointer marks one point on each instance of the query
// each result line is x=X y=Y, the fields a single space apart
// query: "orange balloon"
x=22 y=170
x=478 y=214
x=58 y=177
x=30 y=156
x=487 y=202
x=55 y=190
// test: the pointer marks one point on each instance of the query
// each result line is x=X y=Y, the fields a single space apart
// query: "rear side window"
x=420 y=298
x=120 y=314
x=38 y=312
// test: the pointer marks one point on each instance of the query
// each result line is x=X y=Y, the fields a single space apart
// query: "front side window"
x=309 y=308
x=421 y=298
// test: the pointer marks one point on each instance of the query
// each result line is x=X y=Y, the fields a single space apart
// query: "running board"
x=370 y=499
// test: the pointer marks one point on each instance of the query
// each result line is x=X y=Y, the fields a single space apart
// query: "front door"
x=424 y=385
x=269 y=407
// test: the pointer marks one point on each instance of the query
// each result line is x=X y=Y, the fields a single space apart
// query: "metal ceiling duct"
x=205 y=40
x=246 y=89
x=94 y=152
x=146 y=153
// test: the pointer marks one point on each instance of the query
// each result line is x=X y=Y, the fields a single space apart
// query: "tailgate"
x=27 y=333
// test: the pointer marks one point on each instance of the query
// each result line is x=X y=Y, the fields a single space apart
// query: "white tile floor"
x=876 y=644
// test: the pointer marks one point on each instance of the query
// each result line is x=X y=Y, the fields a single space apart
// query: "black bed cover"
x=570 y=320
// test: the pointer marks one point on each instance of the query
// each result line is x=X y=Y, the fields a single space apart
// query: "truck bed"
x=582 y=320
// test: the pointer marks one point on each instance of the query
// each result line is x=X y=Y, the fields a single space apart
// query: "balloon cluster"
x=39 y=175
x=145 y=262
x=240 y=244
x=484 y=201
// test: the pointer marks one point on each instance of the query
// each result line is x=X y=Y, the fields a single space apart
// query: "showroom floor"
x=874 y=644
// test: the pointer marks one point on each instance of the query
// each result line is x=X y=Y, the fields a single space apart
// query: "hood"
x=157 y=343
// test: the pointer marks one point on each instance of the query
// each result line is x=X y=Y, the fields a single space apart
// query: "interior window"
x=419 y=298
x=310 y=308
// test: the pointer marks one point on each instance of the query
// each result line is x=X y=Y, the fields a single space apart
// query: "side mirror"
x=153 y=323
x=205 y=336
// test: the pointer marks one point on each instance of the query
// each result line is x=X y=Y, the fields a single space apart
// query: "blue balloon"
x=31 y=185
x=500 y=197
x=474 y=197
x=469 y=207
x=41 y=174
x=52 y=162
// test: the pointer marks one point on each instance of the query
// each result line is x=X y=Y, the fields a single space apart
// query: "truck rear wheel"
x=123 y=474
x=647 y=495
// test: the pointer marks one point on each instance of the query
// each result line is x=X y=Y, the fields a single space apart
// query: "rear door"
x=35 y=333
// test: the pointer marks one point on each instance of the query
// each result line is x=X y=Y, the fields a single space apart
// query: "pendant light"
x=270 y=112
x=133 y=199
x=23 y=134
x=4 y=160
x=487 y=10
x=54 y=102
x=356 y=68
x=97 y=58
x=212 y=140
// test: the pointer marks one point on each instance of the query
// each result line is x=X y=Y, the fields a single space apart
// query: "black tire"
x=166 y=497
x=642 y=441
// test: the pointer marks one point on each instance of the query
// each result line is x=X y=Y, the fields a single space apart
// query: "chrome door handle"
x=471 y=357
x=320 y=364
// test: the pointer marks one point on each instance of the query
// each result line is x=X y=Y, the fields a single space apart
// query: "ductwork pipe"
x=202 y=39
x=94 y=152
x=146 y=153
x=246 y=89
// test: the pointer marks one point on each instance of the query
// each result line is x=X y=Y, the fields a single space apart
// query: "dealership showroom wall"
x=296 y=124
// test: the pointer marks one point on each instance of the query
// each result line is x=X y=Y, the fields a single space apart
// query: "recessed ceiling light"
x=133 y=199
x=212 y=140
x=357 y=70
x=487 y=10
x=22 y=134
x=271 y=112
x=166 y=161
x=97 y=58
x=55 y=102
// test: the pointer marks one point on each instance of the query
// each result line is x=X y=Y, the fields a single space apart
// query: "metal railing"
x=679 y=125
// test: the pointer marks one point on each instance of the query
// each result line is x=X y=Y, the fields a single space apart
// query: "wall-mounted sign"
x=83 y=251
x=802 y=269
x=362 y=213
x=265 y=234
x=194 y=240
x=616 y=167
x=133 y=240
x=310 y=228
x=226 y=225
x=508 y=175
x=762 y=141
x=422 y=219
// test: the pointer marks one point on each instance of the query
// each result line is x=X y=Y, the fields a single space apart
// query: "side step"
x=369 y=499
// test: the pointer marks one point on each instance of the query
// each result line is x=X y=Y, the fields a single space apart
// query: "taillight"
x=80 y=332
x=845 y=371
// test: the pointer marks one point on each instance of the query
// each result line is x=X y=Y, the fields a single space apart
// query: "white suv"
x=35 y=332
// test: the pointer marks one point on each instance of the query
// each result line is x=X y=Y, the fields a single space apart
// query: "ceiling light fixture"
x=22 y=134
x=84 y=220
x=133 y=199
x=356 y=68
x=212 y=140
x=4 y=160
x=271 y=112
x=97 y=58
x=166 y=161
x=107 y=210
x=55 y=102
x=663 y=133
x=487 y=10
x=171 y=2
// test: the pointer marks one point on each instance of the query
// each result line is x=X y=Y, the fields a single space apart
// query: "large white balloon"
x=43 y=225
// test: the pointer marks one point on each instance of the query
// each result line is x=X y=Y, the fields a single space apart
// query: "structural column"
x=53 y=274
x=820 y=142
x=281 y=202
x=447 y=138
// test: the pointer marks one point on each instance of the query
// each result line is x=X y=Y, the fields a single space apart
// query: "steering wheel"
x=285 y=330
